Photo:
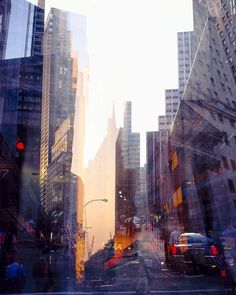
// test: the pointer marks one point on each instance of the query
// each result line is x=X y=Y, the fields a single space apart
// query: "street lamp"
x=96 y=200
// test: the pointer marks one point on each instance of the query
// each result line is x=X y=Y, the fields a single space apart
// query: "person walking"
x=15 y=274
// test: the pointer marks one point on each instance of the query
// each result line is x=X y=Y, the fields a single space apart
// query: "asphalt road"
x=147 y=274
x=133 y=277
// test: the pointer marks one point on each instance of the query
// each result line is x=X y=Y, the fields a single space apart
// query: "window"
x=225 y=162
x=232 y=123
x=226 y=140
x=0 y=23
x=213 y=115
x=225 y=77
x=231 y=185
x=220 y=117
x=233 y=164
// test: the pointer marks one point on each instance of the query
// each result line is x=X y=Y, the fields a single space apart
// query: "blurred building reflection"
x=9 y=187
x=196 y=163
x=20 y=100
x=22 y=26
x=127 y=184
x=60 y=177
x=5 y=8
x=100 y=183
x=65 y=76
x=186 y=51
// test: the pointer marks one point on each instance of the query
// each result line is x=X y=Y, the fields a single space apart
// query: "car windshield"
x=193 y=239
x=118 y=147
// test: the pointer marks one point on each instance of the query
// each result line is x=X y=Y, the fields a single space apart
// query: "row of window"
x=221 y=118
x=171 y=111
x=171 y=97
x=175 y=104
x=226 y=163
x=30 y=77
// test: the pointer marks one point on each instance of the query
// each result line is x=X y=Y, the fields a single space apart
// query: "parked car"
x=196 y=252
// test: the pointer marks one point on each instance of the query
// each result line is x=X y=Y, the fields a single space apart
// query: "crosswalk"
x=165 y=275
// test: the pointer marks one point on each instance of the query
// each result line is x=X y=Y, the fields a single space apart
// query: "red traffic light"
x=20 y=145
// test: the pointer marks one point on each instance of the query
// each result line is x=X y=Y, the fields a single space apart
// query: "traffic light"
x=20 y=146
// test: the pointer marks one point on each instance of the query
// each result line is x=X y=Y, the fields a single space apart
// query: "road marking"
x=194 y=276
x=167 y=275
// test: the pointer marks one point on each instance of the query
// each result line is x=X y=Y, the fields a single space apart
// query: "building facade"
x=127 y=182
x=198 y=186
x=60 y=77
x=21 y=67
x=186 y=51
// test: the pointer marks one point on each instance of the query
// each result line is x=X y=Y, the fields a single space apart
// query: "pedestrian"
x=143 y=279
x=174 y=236
x=15 y=274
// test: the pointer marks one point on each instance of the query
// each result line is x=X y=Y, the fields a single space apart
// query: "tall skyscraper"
x=21 y=91
x=152 y=152
x=186 y=51
x=22 y=26
x=225 y=14
x=130 y=140
x=172 y=98
x=65 y=34
x=127 y=185
x=196 y=185
x=5 y=8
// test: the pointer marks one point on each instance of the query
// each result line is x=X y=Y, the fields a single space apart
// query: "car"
x=133 y=250
x=195 y=252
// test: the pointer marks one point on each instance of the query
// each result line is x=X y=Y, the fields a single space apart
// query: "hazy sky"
x=133 y=56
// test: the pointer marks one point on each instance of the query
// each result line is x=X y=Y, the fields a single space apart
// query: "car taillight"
x=213 y=250
x=223 y=273
x=174 y=250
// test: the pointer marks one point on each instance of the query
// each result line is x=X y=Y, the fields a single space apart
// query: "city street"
x=130 y=277
x=117 y=147
x=145 y=271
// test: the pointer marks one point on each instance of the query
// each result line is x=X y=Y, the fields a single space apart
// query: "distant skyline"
x=132 y=47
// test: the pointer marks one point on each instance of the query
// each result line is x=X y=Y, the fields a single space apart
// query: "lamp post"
x=95 y=200
x=80 y=249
